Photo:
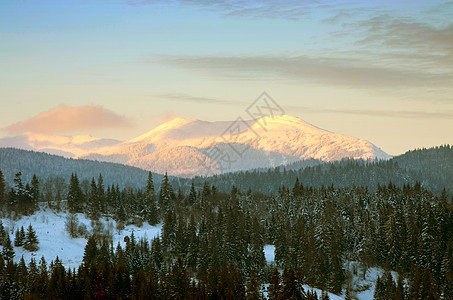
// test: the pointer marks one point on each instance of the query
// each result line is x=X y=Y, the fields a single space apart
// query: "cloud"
x=65 y=119
x=341 y=70
x=193 y=99
x=405 y=114
x=292 y=10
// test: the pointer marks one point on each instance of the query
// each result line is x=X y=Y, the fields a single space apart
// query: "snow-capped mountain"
x=188 y=147
x=67 y=146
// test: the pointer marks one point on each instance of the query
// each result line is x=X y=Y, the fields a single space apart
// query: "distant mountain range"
x=432 y=167
x=190 y=147
x=51 y=166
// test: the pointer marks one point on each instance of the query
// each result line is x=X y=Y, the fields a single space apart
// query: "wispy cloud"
x=193 y=99
x=241 y=8
x=406 y=114
x=65 y=119
x=337 y=70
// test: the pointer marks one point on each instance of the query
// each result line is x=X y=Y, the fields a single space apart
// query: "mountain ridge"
x=273 y=140
x=191 y=147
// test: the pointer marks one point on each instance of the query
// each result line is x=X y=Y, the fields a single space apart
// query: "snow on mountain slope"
x=188 y=147
x=67 y=146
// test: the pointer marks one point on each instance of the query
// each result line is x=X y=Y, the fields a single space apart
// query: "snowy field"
x=55 y=241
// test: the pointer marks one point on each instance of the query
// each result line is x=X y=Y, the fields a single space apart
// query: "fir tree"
x=192 y=198
x=75 y=195
x=90 y=252
x=274 y=288
x=2 y=190
x=19 y=239
x=8 y=250
x=93 y=205
x=166 y=195
x=31 y=240
x=35 y=190
x=100 y=190
x=151 y=213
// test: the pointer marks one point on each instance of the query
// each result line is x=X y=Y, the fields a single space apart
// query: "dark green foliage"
x=8 y=250
x=19 y=239
x=219 y=238
x=150 y=211
x=433 y=167
x=31 y=239
x=75 y=195
x=166 y=195
x=2 y=190
x=91 y=251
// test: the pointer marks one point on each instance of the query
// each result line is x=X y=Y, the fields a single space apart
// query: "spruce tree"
x=8 y=250
x=274 y=288
x=31 y=240
x=166 y=195
x=151 y=213
x=2 y=190
x=90 y=252
x=101 y=194
x=3 y=233
x=75 y=196
x=19 y=239
x=192 y=199
x=93 y=206
x=35 y=190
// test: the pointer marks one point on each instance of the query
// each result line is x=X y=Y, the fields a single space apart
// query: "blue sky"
x=381 y=71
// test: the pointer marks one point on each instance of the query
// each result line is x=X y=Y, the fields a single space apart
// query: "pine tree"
x=19 y=240
x=2 y=190
x=257 y=260
x=35 y=190
x=101 y=194
x=291 y=288
x=93 y=206
x=274 y=288
x=90 y=252
x=253 y=287
x=192 y=253
x=8 y=250
x=166 y=195
x=192 y=198
x=151 y=213
x=75 y=195
x=31 y=240
x=2 y=233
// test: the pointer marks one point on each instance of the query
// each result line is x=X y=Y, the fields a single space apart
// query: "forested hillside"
x=433 y=168
x=211 y=243
x=52 y=166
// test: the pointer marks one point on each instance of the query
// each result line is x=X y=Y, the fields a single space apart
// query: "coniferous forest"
x=211 y=244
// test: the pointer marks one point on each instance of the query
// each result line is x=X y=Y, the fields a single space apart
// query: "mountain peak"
x=163 y=128
x=281 y=122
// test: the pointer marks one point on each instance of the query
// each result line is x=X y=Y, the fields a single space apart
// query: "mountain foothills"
x=212 y=243
x=57 y=170
x=189 y=147
x=432 y=168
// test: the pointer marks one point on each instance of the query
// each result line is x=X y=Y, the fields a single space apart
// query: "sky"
x=377 y=70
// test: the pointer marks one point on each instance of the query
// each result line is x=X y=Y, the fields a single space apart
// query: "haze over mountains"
x=189 y=147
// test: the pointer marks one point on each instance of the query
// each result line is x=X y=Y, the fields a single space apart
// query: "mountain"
x=51 y=166
x=189 y=147
x=432 y=168
x=67 y=146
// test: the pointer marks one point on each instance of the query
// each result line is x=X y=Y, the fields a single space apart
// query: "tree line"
x=208 y=233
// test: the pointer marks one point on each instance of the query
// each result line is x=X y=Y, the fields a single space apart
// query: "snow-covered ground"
x=55 y=241
x=363 y=287
x=269 y=253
